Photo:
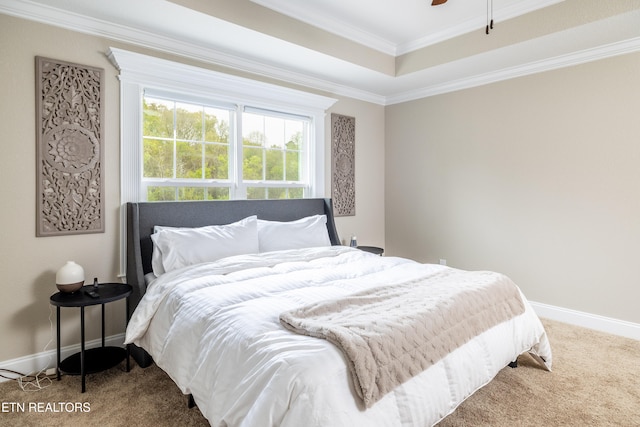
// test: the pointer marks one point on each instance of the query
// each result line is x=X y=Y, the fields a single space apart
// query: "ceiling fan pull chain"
x=486 y=30
x=491 y=25
x=489 y=16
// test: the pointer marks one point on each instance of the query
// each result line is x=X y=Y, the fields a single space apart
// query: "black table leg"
x=127 y=346
x=58 y=342
x=82 y=367
x=102 y=325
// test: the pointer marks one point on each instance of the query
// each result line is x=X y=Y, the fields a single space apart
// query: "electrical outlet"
x=51 y=371
x=443 y=261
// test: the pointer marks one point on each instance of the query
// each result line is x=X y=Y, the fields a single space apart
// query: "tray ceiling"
x=374 y=50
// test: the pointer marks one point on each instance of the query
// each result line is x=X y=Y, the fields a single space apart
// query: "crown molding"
x=96 y=27
x=145 y=69
x=562 y=61
x=336 y=26
x=500 y=15
x=333 y=25
x=384 y=94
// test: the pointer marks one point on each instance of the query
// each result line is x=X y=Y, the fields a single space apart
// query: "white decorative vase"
x=70 y=277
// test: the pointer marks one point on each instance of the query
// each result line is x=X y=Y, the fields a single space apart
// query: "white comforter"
x=214 y=329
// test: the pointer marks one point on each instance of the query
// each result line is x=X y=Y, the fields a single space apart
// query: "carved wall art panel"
x=343 y=156
x=70 y=148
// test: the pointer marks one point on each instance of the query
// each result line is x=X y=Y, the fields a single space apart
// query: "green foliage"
x=186 y=141
x=164 y=193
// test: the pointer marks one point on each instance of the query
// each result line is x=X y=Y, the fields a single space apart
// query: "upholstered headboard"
x=142 y=217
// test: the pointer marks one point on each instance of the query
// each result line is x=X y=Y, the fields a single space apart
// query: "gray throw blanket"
x=391 y=333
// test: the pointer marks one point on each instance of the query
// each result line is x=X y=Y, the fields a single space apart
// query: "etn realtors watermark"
x=45 y=407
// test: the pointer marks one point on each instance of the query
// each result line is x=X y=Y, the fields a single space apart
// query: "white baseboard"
x=588 y=320
x=47 y=359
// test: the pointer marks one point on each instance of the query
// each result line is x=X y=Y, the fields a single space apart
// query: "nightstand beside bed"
x=95 y=359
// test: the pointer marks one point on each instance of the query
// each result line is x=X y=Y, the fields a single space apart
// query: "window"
x=274 y=155
x=198 y=151
x=192 y=133
x=186 y=150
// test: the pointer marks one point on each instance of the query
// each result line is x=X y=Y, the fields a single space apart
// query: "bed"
x=256 y=335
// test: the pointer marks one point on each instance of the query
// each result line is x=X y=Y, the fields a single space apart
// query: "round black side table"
x=95 y=359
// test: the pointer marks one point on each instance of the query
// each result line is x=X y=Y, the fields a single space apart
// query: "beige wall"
x=537 y=177
x=28 y=264
x=368 y=223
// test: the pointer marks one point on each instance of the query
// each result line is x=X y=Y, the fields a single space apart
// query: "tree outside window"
x=189 y=152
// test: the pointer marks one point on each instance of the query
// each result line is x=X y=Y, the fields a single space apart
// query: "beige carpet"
x=595 y=382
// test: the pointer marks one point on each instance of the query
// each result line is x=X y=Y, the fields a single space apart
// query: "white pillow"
x=156 y=255
x=180 y=247
x=307 y=232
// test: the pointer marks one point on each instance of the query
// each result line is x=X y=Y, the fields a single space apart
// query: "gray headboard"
x=142 y=217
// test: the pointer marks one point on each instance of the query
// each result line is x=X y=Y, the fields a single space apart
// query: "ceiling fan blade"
x=437 y=2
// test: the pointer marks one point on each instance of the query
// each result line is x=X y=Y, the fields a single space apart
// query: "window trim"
x=138 y=71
